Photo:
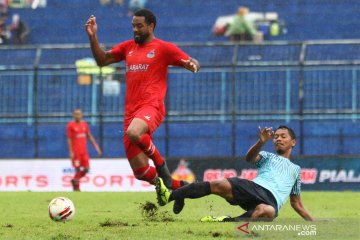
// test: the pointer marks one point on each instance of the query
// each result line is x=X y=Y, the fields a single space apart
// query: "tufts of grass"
x=150 y=212
x=62 y=236
x=114 y=216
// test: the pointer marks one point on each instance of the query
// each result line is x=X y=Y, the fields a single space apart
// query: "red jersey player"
x=147 y=60
x=78 y=132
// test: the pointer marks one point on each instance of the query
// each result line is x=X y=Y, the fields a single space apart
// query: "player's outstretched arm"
x=264 y=135
x=192 y=65
x=102 y=58
x=93 y=142
x=297 y=205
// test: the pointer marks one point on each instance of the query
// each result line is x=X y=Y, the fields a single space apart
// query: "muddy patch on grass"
x=8 y=225
x=150 y=211
x=61 y=236
x=113 y=223
x=215 y=234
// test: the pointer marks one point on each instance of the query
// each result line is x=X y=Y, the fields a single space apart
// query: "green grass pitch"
x=119 y=216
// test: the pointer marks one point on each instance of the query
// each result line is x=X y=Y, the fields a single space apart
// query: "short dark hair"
x=149 y=16
x=291 y=132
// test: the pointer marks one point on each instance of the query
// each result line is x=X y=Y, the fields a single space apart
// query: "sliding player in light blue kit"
x=277 y=179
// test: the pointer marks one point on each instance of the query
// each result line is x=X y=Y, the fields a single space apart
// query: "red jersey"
x=146 y=71
x=78 y=132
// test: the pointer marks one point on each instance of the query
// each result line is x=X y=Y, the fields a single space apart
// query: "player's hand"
x=99 y=152
x=91 y=26
x=98 y=149
x=191 y=65
x=71 y=155
x=265 y=134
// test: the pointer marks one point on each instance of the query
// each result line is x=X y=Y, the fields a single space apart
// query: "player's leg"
x=141 y=168
x=138 y=133
x=179 y=203
x=80 y=172
x=221 y=188
x=76 y=164
x=76 y=179
x=84 y=171
x=263 y=212
x=139 y=162
x=258 y=202
x=85 y=164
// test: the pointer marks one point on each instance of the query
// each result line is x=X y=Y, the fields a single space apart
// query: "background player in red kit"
x=78 y=132
x=147 y=60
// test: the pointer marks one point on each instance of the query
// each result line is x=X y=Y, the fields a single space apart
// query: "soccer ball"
x=61 y=209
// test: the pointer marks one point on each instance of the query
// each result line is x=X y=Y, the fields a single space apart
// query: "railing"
x=284 y=81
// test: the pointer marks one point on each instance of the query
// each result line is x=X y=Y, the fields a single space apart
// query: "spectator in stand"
x=108 y=2
x=20 y=30
x=3 y=7
x=4 y=32
x=241 y=29
x=135 y=5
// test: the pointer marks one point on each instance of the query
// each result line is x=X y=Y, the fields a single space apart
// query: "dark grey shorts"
x=248 y=194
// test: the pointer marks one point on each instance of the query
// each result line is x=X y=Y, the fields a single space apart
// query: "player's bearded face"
x=141 y=29
x=140 y=38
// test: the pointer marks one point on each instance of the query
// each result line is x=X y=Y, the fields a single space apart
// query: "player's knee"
x=264 y=211
x=86 y=170
x=133 y=134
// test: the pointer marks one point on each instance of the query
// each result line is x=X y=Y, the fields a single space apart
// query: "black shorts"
x=248 y=194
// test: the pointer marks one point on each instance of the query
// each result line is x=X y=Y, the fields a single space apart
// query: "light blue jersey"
x=278 y=175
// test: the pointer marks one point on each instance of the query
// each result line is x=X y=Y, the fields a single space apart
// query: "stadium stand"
x=197 y=18
x=200 y=106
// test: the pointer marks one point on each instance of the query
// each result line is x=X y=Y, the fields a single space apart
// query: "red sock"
x=148 y=147
x=77 y=175
x=175 y=184
x=82 y=173
x=147 y=173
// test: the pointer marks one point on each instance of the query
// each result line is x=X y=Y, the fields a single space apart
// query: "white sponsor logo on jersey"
x=80 y=135
x=137 y=67
x=147 y=117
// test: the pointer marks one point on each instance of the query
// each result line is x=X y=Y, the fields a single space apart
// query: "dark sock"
x=164 y=173
x=193 y=190
x=183 y=183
